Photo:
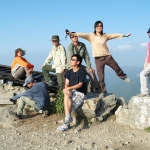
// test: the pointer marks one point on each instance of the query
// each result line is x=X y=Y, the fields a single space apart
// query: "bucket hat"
x=23 y=51
x=55 y=38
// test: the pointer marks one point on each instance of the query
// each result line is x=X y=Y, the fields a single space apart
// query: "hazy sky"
x=29 y=24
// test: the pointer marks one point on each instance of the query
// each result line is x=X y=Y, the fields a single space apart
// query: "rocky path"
x=37 y=133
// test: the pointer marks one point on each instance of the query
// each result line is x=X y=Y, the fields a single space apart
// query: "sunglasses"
x=99 y=26
x=73 y=59
x=73 y=37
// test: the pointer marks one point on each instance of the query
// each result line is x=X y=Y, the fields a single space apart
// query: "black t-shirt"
x=76 y=77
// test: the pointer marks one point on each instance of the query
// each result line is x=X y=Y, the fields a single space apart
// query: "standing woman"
x=146 y=72
x=100 y=51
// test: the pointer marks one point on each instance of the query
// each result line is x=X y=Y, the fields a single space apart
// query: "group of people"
x=70 y=67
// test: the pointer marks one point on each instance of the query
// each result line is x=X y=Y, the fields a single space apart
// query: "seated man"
x=75 y=89
x=37 y=97
x=20 y=66
x=58 y=55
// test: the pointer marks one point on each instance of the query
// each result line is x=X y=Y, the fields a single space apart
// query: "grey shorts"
x=77 y=99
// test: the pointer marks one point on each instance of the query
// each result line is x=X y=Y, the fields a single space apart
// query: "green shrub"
x=59 y=103
x=147 y=129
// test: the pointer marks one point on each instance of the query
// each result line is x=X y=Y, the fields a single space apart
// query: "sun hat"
x=28 y=80
x=20 y=49
x=55 y=38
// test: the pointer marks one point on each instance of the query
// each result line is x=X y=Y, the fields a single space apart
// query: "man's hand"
x=92 y=70
x=14 y=101
x=68 y=93
x=66 y=89
x=43 y=66
x=67 y=32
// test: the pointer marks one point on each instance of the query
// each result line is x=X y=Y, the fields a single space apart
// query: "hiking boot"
x=18 y=116
x=143 y=95
x=49 y=83
x=127 y=80
x=68 y=119
x=45 y=113
x=64 y=127
x=102 y=95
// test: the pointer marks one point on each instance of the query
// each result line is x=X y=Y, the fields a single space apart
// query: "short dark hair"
x=79 y=58
x=96 y=24
x=72 y=32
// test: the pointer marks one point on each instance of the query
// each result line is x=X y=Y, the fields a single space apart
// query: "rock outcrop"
x=94 y=107
x=136 y=114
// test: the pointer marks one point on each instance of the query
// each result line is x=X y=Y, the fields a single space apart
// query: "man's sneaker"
x=49 y=83
x=13 y=101
x=45 y=113
x=102 y=95
x=127 y=80
x=18 y=116
x=68 y=119
x=64 y=127
x=143 y=95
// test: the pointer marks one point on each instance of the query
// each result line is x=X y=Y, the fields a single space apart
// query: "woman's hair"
x=96 y=24
x=79 y=58
x=17 y=52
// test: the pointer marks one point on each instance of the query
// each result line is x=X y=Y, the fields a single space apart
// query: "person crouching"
x=36 y=96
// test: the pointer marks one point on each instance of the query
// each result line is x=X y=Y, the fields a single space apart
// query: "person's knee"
x=66 y=97
x=20 y=100
x=101 y=79
x=142 y=74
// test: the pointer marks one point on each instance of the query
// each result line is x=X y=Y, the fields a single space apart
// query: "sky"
x=29 y=24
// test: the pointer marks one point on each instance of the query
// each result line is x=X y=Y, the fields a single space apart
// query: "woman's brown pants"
x=100 y=65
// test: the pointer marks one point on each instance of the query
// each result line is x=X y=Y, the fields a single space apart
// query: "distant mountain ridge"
x=119 y=87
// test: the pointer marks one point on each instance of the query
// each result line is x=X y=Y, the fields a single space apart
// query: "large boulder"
x=94 y=107
x=137 y=114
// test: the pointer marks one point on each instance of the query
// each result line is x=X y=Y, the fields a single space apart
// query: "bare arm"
x=68 y=88
x=114 y=36
x=66 y=83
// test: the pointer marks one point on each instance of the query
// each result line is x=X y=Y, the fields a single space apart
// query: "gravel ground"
x=37 y=133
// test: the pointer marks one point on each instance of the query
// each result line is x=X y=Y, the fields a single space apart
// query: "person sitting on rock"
x=77 y=47
x=37 y=97
x=74 y=91
x=58 y=55
x=20 y=66
x=145 y=73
